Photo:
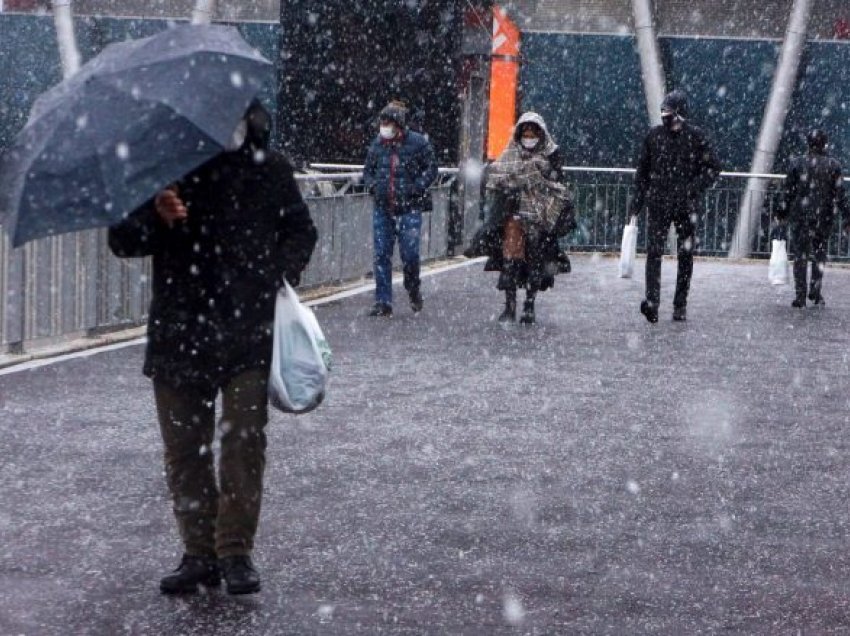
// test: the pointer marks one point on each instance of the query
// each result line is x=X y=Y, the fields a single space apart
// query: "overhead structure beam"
x=203 y=12
x=772 y=125
x=69 y=54
x=652 y=71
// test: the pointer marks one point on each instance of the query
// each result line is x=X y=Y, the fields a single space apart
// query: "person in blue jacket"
x=400 y=167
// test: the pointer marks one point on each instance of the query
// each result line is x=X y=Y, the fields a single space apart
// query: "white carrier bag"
x=628 y=249
x=777 y=270
x=301 y=357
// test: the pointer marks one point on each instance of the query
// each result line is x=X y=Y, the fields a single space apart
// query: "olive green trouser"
x=215 y=520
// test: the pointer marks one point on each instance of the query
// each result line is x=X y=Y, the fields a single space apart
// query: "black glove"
x=293 y=278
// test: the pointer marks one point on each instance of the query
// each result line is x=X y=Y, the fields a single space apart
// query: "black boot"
x=650 y=311
x=814 y=291
x=191 y=571
x=509 y=315
x=527 y=317
x=239 y=574
x=680 y=314
x=416 y=301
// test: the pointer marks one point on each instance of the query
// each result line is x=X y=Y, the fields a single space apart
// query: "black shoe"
x=799 y=303
x=817 y=299
x=416 y=301
x=564 y=265
x=527 y=317
x=382 y=309
x=509 y=315
x=680 y=314
x=191 y=571
x=650 y=311
x=239 y=574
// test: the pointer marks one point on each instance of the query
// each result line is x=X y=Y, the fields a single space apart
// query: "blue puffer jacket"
x=398 y=172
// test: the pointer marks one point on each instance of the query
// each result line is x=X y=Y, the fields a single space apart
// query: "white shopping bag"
x=628 y=249
x=777 y=270
x=301 y=357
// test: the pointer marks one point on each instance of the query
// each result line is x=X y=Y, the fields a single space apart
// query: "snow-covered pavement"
x=593 y=474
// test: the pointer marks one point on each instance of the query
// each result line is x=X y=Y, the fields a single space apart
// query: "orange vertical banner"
x=504 y=80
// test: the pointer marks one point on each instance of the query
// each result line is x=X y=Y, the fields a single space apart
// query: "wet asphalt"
x=592 y=474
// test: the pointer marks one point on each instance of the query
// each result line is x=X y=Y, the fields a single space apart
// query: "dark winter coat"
x=814 y=187
x=398 y=172
x=673 y=171
x=216 y=274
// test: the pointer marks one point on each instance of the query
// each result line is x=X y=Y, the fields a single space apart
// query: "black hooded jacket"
x=216 y=274
x=814 y=187
x=673 y=170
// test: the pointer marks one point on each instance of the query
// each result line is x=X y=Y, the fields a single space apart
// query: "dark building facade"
x=341 y=61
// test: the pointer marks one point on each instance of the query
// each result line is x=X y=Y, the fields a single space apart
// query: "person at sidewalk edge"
x=400 y=167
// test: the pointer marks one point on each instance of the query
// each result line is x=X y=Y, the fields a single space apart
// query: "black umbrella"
x=134 y=119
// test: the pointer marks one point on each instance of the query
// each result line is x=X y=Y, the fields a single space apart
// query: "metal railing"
x=602 y=197
x=72 y=286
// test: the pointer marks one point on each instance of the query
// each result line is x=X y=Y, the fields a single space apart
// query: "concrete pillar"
x=203 y=12
x=652 y=70
x=784 y=83
x=69 y=54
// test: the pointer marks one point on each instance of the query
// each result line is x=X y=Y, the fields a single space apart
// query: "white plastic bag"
x=301 y=357
x=628 y=249
x=777 y=270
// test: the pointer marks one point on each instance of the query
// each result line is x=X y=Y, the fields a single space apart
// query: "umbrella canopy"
x=135 y=118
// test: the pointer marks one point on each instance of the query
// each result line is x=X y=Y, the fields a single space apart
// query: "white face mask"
x=387 y=132
x=529 y=143
x=239 y=135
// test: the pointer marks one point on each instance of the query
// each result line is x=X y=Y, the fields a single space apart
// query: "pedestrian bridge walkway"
x=592 y=474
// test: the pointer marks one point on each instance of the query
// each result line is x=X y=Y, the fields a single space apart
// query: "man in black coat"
x=676 y=166
x=222 y=241
x=813 y=189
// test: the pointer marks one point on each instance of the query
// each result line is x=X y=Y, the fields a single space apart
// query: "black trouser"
x=215 y=519
x=808 y=246
x=659 y=223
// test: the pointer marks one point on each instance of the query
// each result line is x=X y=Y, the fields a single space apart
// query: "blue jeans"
x=407 y=228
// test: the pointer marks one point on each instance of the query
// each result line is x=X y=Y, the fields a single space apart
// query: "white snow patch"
x=513 y=611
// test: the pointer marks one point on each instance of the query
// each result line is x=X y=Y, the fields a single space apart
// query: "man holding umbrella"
x=222 y=241
x=100 y=149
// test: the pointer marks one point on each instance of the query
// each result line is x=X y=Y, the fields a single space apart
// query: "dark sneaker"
x=193 y=570
x=416 y=301
x=649 y=311
x=680 y=314
x=799 y=303
x=239 y=574
x=527 y=317
x=817 y=299
x=382 y=309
